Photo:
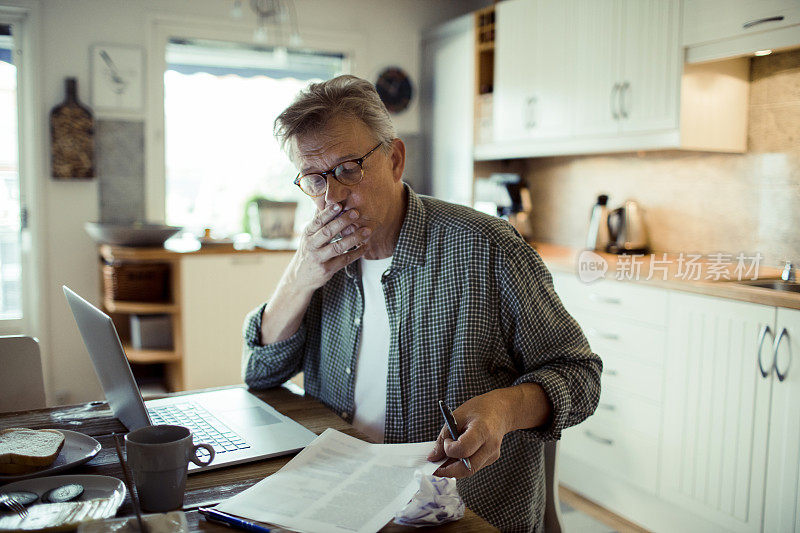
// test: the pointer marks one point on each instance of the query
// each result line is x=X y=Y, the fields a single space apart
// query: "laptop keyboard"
x=204 y=427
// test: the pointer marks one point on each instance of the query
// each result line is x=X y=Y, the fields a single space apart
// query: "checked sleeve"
x=545 y=342
x=265 y=366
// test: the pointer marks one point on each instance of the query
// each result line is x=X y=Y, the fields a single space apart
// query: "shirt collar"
x=410 y=249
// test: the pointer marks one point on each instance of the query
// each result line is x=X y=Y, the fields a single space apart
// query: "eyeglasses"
x=349 y=172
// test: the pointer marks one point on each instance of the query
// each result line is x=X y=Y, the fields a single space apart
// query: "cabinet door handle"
x=604 y=299
x=601 y=440
x=775 y=346
x=530 y=112
x=607 y=406
x=613 y=101
x=610 y=371
x=756 y=22
x=623 y=90
x=602 y=334
x=764 y=330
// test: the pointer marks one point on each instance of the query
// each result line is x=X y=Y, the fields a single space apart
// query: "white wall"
x=66 y=29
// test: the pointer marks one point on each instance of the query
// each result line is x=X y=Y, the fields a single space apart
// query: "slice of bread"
x=26 y=450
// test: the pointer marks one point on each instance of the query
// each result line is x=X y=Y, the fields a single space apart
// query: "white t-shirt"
x=373 y=353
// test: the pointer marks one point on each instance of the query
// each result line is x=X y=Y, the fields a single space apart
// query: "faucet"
x=788 y=273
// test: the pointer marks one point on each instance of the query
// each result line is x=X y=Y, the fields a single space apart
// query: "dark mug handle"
x=196 y=460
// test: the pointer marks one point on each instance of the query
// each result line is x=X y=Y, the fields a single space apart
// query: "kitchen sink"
x=774 y=284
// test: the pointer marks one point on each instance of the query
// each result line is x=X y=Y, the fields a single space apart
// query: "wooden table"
x=207 y=488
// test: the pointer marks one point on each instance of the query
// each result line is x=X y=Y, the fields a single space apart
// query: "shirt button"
x=347 y=370
x=344 y=414
x=357 y=321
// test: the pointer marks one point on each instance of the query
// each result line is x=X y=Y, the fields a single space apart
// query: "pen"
x=232 y=521
x=450 y=420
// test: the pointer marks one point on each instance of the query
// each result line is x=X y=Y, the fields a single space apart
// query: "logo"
x=591 y=266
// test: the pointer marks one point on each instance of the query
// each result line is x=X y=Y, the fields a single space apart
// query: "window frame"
x=23 y=21
x=160 y=31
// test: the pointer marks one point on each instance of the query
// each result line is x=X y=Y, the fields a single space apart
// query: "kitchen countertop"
x=562 y=259
x=174 y=251
x=703 y=281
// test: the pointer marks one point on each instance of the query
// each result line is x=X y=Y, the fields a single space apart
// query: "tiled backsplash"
x=694 y=201
x=120 y=167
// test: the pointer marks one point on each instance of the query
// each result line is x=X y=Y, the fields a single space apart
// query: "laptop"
x=240 y=427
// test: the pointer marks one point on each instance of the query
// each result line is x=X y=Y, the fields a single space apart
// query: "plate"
x=93 y=486
x=102 y=496
x=78 y=448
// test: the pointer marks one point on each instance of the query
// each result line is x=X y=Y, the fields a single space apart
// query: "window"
x=10 y=205
x=220 y=101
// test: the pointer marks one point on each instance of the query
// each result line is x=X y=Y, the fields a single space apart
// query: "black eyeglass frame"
x=359 y=162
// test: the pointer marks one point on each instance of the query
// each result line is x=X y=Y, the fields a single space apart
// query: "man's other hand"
x=483 y=422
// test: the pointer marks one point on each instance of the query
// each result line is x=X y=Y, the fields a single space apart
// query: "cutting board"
x=72 y=137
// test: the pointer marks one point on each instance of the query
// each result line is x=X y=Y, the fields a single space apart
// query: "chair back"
x=552 y=505
x=21 y=380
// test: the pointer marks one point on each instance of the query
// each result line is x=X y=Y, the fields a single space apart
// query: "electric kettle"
x=626 y=230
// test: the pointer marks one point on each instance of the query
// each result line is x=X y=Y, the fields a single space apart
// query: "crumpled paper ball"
x=436 y=502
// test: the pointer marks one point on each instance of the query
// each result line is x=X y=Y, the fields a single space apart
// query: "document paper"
x=337 y=484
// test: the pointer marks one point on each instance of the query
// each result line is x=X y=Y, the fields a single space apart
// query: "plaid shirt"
x=471 y=309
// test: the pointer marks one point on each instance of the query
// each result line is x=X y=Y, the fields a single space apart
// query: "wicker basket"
x=137 y=282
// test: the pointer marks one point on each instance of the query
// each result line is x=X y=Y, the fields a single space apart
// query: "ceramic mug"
x=159 y=459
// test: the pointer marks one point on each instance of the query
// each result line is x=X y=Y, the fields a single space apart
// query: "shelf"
x=150 y=356
x=485 y=47
x=139 y=308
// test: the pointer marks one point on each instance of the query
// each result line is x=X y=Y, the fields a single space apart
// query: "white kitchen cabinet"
x=651 y=59
x=719 y=29
x=716 y=409
x=217 y=291
x=695 y=429
x=782 y=498
x=625 y=324
x=597 y=33
x=447 y=99
x=715 y=20
x=532 y=70
x=628 y=60
x=585 y=68
x=617 y=69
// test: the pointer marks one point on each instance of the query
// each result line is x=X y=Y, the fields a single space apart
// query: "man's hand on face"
x=317 y=258
x=483 y=422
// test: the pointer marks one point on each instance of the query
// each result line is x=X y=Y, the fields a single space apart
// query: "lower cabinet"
x=624 y=323
x=782 y=499
x=698 y=425
x=716 y=414
x=217 y=291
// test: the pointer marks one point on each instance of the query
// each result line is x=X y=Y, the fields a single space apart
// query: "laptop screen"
x=110 y=363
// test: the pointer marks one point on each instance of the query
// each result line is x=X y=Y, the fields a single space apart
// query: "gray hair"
x=342 y=96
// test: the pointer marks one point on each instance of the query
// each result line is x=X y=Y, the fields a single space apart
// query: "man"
x=394 y=301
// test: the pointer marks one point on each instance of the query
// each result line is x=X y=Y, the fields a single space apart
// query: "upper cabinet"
x=714 y=20
x=589 y=76
x=532 y=68
x=627 y=65
x=714 y=29
x=650 y=65
x=596 y=63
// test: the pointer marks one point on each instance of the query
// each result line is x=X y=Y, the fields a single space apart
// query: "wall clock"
x=117 y=78
x=394 y=88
